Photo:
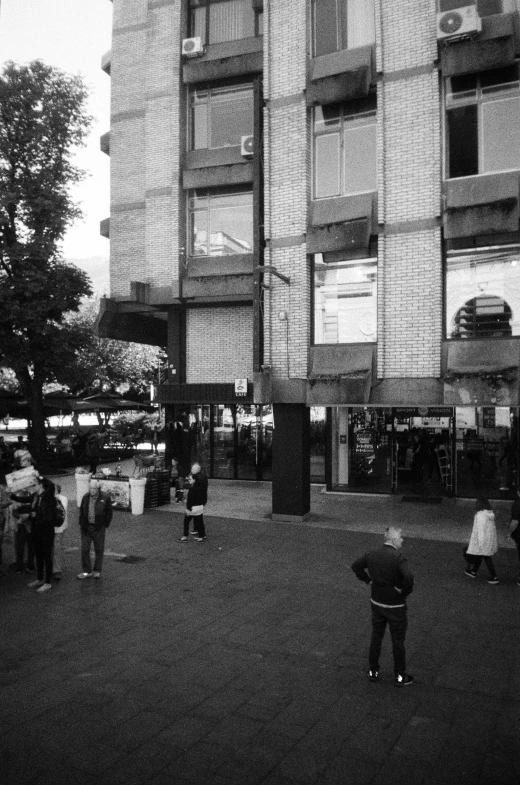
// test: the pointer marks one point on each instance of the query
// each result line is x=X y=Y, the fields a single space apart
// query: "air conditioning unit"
x=192 y=47
x=462 y=22
x=247 y=144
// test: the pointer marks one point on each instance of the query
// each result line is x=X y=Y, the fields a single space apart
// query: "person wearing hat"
x=386 y=571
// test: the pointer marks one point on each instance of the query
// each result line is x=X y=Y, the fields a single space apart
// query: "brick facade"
x=219 y=344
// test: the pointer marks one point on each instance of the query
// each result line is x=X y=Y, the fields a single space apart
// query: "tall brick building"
x=315 y=210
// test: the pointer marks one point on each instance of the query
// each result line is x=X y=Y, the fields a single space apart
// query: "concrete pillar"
x=291 y=462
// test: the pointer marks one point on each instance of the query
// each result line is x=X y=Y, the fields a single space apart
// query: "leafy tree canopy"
x=42 y=121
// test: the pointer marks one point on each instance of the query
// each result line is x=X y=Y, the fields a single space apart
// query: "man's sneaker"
x=470 y=573
x=96 y=575
x=373 y=675
x=403 y=680
x=44 y=587
x=200 y=539
x=518 y=582
x=182 y=539
x=493 y=581
x=34 y=584
x=82 y=575
x=194 y=534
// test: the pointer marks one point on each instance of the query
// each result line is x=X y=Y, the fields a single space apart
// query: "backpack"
x=60 y=514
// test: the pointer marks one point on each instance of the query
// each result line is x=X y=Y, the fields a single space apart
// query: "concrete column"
x=291 y=462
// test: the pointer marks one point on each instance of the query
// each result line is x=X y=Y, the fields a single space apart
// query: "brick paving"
x=242 y=660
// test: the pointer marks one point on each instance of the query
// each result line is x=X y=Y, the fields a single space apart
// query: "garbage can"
x=137 y=489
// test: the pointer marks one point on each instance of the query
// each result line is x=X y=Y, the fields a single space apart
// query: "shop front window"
x=483 y=115
x=344 y=150
x=221 y=223
x=229 y=20
x=487 y=451
x=342 y=24
x=317 y=443
x=220 y=116
x=345 y=301
x=483 y=293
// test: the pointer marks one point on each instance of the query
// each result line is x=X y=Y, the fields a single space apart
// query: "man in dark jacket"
x=95 y=514
x=386 y=571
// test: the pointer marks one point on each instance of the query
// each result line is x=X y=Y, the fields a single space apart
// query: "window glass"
x=483 y=294
x=360 y=156
x=345 y=159
x=342 y=24
x=501 y=135
x=221 y=116
x=231 y=20
x=483 y=115
x=345 y=301
x=221 y=224
x=327 y=165
x=198 y=22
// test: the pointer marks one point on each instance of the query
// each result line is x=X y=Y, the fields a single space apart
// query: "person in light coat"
x=483 y=543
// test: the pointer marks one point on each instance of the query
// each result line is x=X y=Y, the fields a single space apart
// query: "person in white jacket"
x=483 y=543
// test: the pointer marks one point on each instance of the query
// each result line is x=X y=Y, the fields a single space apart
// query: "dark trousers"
x=91 y=537
x=476 y=561
x=43 y=541
x=22 y=538
x=198 y=525
x=397 y=620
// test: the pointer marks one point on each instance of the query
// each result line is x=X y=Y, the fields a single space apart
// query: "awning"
x=482 y=356
x=340 y=374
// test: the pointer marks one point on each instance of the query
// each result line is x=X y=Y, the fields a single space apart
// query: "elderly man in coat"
x=95 y=514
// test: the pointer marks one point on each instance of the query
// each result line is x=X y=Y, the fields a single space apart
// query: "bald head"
x=393 y=537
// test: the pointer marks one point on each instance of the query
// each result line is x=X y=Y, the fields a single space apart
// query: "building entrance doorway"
x=422 y=453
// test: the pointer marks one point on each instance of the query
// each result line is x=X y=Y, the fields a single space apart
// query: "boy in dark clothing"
x=386 y=571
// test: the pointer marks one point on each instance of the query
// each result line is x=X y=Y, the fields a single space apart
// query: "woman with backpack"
x=43 y=520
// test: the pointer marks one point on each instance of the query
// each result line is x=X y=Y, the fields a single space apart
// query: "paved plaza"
x=242 y=660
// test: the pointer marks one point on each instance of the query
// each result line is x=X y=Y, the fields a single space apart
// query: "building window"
x=221 y=222
x=344 y=151
x=345 y=301
x=229 y=20
x=484 y=7
x=342 y=24
x=483 y=117
x=483 y=293
x=220 y=116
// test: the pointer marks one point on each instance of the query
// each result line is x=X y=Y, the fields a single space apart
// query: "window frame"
x=206 y=4
x=211 y=194
x=213 y=89
x=480 y=97
x=355 y=117
x=341 y=24
x=346 y=263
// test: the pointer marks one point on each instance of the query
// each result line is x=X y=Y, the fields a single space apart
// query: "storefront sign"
x=240 y=388
x=424 y=411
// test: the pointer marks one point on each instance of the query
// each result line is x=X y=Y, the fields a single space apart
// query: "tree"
x=102 y=364
x=42 y=121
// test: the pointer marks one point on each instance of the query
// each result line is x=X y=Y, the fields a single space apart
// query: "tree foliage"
x=42 y=121
x=103 y=364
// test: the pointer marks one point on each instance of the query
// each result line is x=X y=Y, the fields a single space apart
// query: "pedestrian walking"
x=514 y=527
x=43 y=521
x=95 y=515
x=59 y=533
x=483 y=543
x=387 y=572
x=195 y=501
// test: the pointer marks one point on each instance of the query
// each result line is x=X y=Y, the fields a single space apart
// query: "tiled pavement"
x=241 y=660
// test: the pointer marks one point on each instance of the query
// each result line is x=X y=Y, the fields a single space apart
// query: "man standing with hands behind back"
x=387 y=573
x=95 y=514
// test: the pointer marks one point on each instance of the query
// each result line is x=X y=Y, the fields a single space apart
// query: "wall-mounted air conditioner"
x=247 y=146
x=462 y=22
x=192 y=47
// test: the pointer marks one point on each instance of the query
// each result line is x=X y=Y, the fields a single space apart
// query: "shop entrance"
x=392 y=450
x=422 y=454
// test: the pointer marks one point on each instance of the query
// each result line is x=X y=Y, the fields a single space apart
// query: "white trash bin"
x=82 y=484
x=137 y=488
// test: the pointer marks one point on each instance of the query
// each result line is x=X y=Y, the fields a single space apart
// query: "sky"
x=71 y=35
